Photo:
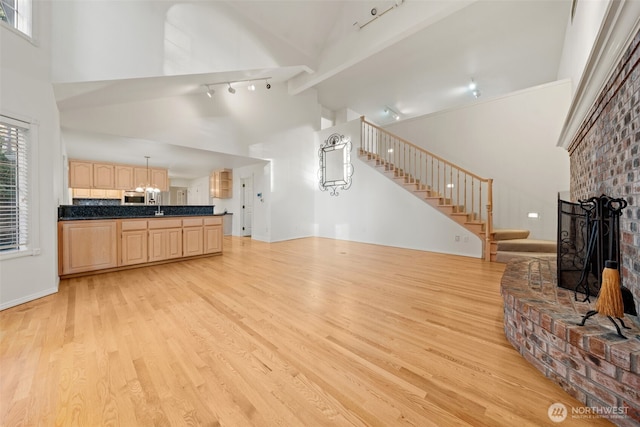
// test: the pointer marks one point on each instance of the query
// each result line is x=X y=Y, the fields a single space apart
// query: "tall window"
x=14 y=196
x=17 y=13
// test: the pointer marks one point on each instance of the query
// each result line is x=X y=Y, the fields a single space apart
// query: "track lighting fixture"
x=252 y=87
x=391 y=113
x=473 y=87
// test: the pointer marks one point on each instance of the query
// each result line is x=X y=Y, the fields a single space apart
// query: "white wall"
x=198 y=192
x=512 y=140
x=155 y=38
x=27 y=94
x=285 y=210
x=377 y=210
x=579 y=38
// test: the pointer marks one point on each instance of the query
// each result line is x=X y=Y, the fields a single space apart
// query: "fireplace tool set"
x=602 y=221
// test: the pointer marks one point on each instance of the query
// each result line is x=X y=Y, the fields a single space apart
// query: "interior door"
x=247 y=205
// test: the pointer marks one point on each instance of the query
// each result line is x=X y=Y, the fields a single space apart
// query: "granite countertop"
x=76 y=213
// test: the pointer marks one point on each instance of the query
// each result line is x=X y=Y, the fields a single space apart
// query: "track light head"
x=231 y=90
x=210 y=93
x=251 y=87
x=268 y=85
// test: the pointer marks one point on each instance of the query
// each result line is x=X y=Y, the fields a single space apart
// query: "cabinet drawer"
x=192 y=222
x=216 y=220
x=134 y=225
x=164 y=223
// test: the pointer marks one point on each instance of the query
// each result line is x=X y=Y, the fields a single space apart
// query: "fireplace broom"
x=610 y=301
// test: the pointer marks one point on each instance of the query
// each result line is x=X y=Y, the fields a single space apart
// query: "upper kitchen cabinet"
x=124 y=177
x=221 y=183
x=80 y=174
x=160 y=178
x=104 y=176
x=140 y=177
x=113 y=176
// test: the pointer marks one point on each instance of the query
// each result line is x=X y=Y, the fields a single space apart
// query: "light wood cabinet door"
x=114 y=194
x=81 y=193
x=104 y=176
x=88 y=246
x=134 y=247
x=98 y=193
x=160 y=178
x=140 y=177
x=80 y=174
x=192 y=241
x=212 y=239
x=165 y=244
x=124 y=178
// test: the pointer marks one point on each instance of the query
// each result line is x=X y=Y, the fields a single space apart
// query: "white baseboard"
x=27 y=298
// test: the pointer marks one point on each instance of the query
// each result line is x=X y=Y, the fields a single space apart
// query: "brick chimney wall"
x=605 y=157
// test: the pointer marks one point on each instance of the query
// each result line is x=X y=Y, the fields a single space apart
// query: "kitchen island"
x=96 y=239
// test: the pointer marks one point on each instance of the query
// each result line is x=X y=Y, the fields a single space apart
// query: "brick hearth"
x=592 y=363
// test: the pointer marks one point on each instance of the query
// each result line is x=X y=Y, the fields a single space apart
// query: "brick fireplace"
x=605 y=157
x=592 y=363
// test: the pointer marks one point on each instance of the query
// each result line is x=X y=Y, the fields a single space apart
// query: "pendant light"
x=148 y=187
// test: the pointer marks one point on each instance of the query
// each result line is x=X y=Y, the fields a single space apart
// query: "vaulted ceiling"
x=414 y=56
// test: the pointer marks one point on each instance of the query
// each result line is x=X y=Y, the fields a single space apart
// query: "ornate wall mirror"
x=335 y=164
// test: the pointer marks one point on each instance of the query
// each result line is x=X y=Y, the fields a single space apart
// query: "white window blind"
x=14 y=185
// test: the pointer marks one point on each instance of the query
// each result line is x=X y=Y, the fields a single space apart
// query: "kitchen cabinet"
x=87 y=246
x=81 y=193
x=141 y=177
x=160 y=178
x=80 y=174
x=165 y=239
x=124 y=177
x=133 y=242
x=96 y=193
x=212 y=235
x=111 y=176
x=104 y=176
x=192 y=236
x=221 y=183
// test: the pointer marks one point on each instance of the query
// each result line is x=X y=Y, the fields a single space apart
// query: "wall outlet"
x=457 y=238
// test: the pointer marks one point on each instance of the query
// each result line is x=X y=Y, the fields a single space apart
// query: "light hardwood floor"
x=309 y=332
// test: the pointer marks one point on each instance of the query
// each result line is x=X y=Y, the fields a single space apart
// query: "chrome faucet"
x=159 y=212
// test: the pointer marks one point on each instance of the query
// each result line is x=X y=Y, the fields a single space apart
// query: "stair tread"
x=527 y=245
x=510 y=233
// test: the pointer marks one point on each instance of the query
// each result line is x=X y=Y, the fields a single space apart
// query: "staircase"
x=461 y=195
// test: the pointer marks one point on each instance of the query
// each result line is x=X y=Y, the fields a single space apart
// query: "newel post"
x=489 y=226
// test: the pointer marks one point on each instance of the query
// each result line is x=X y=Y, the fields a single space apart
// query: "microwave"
x=134 y=198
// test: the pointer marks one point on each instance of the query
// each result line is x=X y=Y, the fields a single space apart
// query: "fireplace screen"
x=588 y=235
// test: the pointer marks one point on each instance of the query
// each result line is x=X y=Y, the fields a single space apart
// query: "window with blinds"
x=14 y=184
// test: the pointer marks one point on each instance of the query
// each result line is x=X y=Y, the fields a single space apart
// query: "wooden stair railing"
x=463 y=196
